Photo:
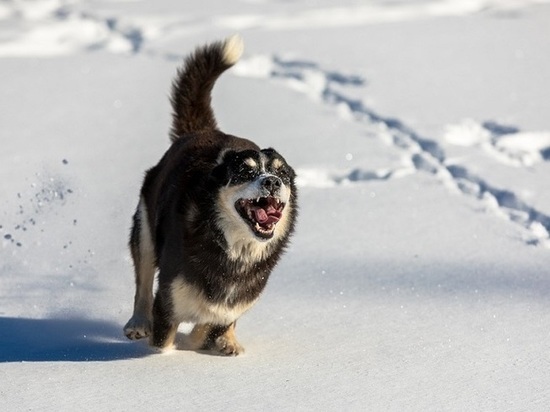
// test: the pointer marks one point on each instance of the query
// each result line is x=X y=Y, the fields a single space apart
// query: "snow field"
x=418 y=277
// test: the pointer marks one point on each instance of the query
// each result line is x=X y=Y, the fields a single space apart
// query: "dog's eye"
x=285 y=175
x=249 y=163
x=282 y=172
x=242 y=172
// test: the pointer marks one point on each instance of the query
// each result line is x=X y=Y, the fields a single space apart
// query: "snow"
x=418 y=276
x=507 y=144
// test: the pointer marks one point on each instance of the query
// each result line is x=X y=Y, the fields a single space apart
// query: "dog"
x=214 y=217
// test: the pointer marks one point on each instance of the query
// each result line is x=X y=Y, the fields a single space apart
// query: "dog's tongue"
x=267 y=216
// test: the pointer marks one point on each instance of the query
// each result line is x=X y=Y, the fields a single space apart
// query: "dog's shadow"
x=69 y=340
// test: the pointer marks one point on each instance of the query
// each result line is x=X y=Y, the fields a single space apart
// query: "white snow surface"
x=419 y=274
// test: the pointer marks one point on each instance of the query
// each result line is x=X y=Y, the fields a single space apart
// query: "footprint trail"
x=425 y=155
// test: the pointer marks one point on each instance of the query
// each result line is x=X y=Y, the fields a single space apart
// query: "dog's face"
x=255 y=194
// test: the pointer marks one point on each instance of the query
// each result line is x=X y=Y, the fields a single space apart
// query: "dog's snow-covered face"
x=255 y=195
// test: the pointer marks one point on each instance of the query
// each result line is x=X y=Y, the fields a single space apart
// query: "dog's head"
x=256 y=195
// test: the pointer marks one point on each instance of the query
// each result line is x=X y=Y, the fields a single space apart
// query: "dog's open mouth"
x=261 y=214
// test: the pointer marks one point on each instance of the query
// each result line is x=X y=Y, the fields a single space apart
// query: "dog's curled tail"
x=191 y=90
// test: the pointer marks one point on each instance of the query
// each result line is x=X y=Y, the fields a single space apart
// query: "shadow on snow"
x=69 y=340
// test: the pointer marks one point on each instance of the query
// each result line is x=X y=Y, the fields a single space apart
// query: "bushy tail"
x=191 y=90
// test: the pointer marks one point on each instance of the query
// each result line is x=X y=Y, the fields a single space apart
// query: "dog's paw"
x=138 y=327
x=227 y=347
x=165 y=350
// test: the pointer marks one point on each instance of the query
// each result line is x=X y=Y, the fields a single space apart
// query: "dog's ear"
x=269 y=152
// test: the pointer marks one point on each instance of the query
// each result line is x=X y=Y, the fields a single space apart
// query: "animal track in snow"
x=57 y=27
x=506 y=144
x=424 y=154
x=61 y=27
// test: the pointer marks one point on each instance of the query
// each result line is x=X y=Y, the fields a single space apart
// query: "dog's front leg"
x=143 y=256
x=164 y=324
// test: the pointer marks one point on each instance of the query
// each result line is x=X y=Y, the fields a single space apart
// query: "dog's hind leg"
x=143 y=255
x=217 y=338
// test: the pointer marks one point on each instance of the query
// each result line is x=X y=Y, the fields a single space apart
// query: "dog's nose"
x=271 y=183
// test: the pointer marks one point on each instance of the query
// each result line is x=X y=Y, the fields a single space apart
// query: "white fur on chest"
x=190 y=305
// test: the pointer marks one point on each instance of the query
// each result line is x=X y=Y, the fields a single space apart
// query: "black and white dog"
x=214 y=216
